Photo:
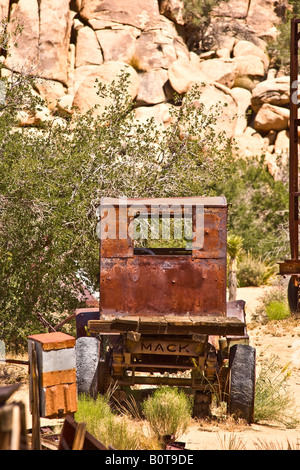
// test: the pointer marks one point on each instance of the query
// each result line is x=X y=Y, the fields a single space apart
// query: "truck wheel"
x=242 y=360
x=293 y=296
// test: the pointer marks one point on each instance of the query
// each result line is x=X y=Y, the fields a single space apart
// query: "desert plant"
x=276 y=310
x=279 y=47
x=168 y=412
x=120 y=432
x=253 y=271
x=273 y=399
x=273 y=305
x=234 y=249
x=92 y=411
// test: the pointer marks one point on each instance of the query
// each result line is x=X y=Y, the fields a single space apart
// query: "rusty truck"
x=163 y=317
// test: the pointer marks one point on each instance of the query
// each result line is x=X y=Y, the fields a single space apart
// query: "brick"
x=59 y=397
x=58 y=377
x=57 y=340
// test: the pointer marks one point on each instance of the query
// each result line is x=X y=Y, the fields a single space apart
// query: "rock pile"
x=70 y=44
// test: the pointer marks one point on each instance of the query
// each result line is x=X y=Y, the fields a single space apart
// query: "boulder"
x=262 y=18
x=243 y=99
x=223 y=71
x=246 y=48
x=64 y=105
x=270 y=117
x=282 y=143
x=159 y=46
x=256 y=17
x=183 y=73
x=55 y=21
x=139 y=13
x=160 y=112
x=250 y=71
x=26 y=55
x=50 y=91
x=118 y=43
x=86 y=95
x=152 y=85
x=172 y=9
x=275 y=91
x=88 y=51
x=249 y=145
x=4 y=9
x=220 y=103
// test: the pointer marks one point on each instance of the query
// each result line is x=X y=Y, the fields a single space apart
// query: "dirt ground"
x=281 y=339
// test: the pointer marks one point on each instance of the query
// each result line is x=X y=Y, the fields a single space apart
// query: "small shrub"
x=120 y=432
x=254 y=272
x=273 y=305
x=92 y=411
x=277 y=310
x=273 y=399
x=168 y=412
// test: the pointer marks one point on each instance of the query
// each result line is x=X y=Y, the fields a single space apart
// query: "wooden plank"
x=204 y=325
x=35 y=404
x=79 y=438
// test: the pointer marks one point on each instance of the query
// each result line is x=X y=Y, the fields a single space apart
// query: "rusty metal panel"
x=170 y=347
x=215 y=234
x=175 y=282
x=154 y=285
x=115 y=241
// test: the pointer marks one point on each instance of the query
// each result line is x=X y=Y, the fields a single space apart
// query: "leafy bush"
x=279 y=48
x=254 y=272
x=258 y=209
x=168 y=412
x=276 y=310
x=52 y=181
x=273 y=305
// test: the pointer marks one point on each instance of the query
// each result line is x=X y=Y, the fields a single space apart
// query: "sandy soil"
x=281 y=339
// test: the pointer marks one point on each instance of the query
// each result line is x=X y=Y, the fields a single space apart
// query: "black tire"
x=293 y=296
x=242 y=365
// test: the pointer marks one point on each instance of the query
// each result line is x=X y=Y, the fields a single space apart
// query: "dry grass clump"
x=273 y=399
x=168 y=412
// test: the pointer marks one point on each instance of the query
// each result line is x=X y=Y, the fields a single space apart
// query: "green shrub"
x=277 y=310
x=120 y=432
x=273 y=305
x=168 y=412
x=254 y=271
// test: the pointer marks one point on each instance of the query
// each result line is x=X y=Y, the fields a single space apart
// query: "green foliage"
x=197 y=15
x=254 y=271
x=273 y=398
x=168 y=412
x=52 y=180
x=279 y=48
x=273 y=305
x=234 y=245
x=110 y=429
x=276 y=310
x=258 y=209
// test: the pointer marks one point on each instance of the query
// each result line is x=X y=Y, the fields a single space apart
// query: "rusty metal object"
x=163 y=309
x=192 y=283
x=69 y=433
x=291 y=267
